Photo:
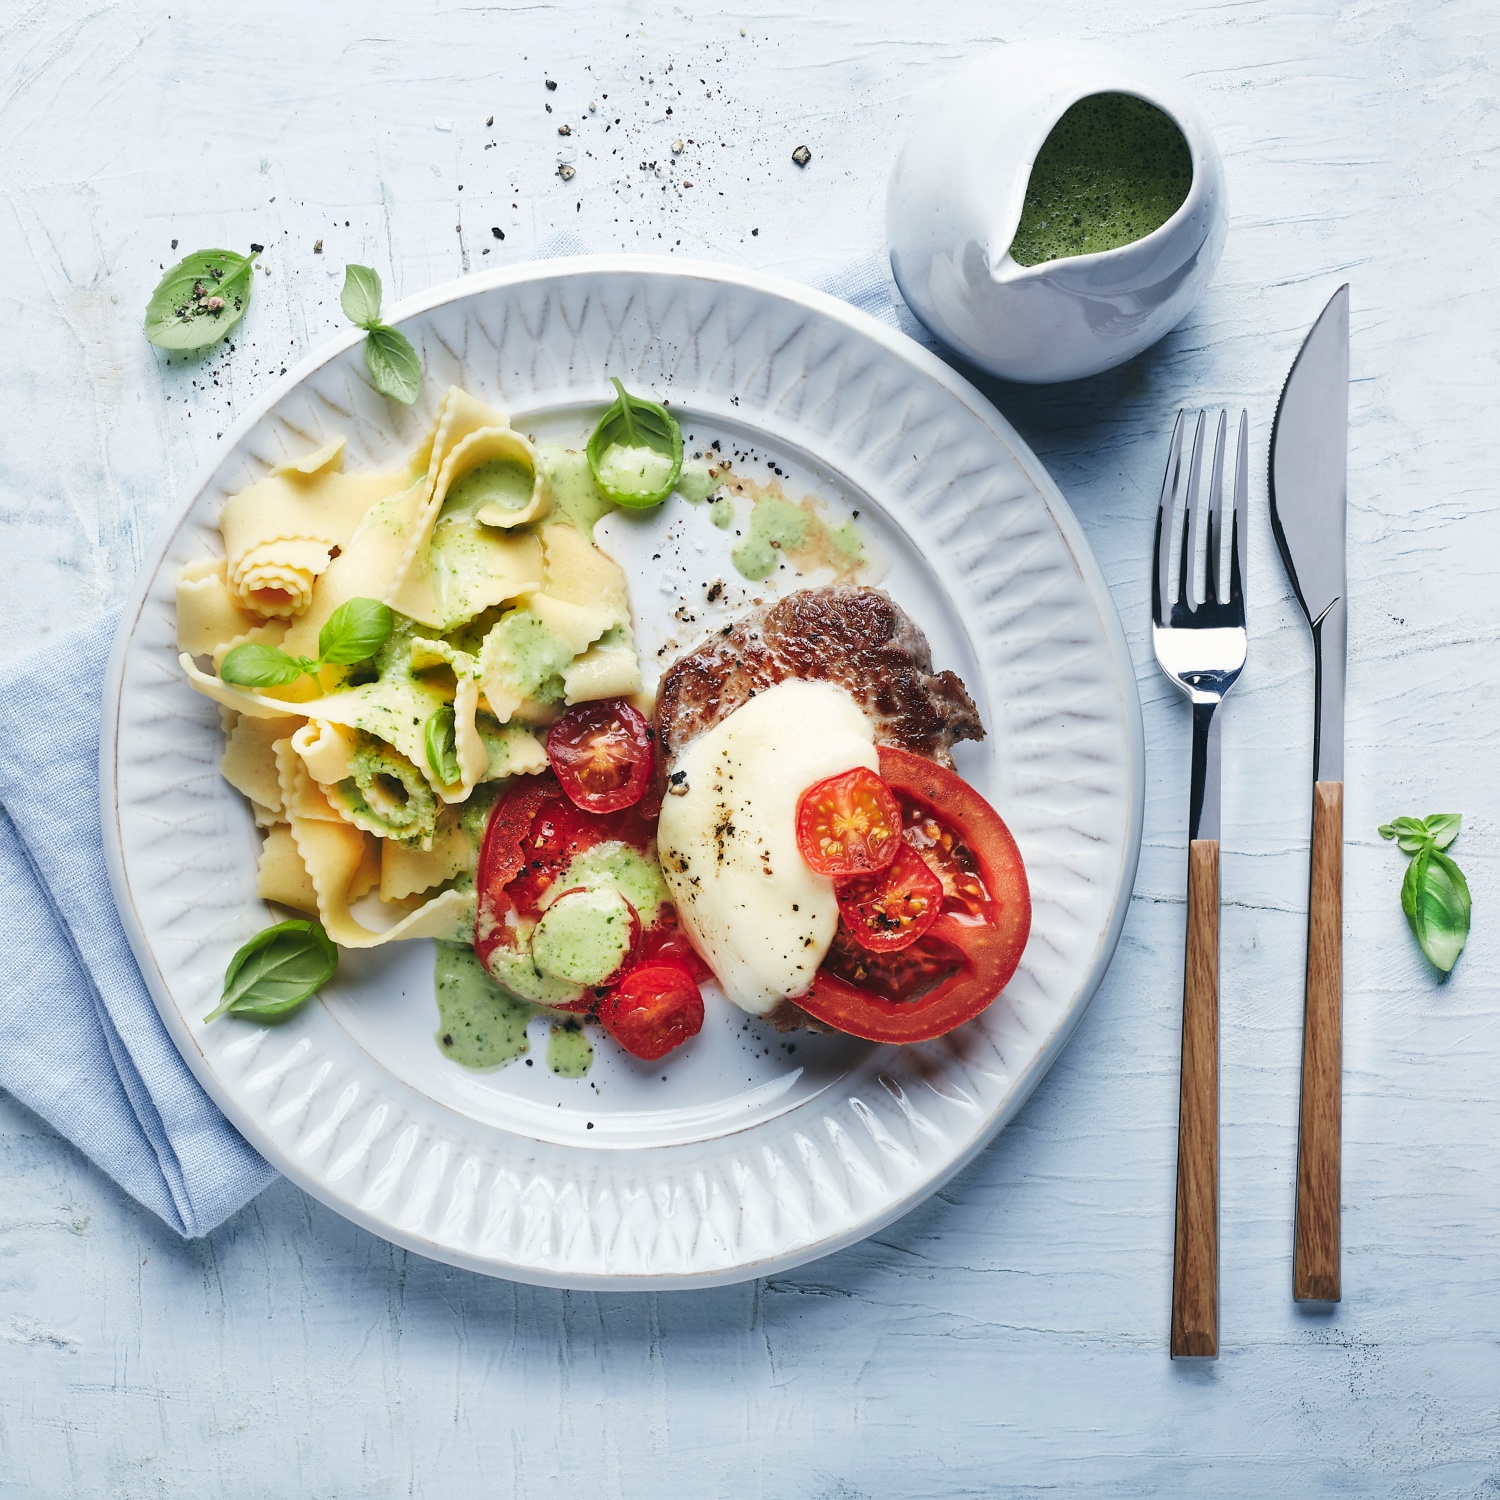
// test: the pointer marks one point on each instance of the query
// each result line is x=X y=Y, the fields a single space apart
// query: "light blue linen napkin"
x=81 y=1043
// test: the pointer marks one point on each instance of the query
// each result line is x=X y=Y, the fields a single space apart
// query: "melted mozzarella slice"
x=761 y=918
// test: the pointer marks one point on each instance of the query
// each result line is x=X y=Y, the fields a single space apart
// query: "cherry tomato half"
x=893 y=907
x=963 y=961
x=657 y=1006
x=848 y=824
x=602 y=755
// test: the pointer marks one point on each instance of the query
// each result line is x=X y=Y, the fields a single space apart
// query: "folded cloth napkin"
x=81 y=1043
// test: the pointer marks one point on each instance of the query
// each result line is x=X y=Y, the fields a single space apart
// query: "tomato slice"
x=893 y=907
x=848 y=824
x=602 y=755
x=971 y=950
x=534 y=833
x=657 y=1006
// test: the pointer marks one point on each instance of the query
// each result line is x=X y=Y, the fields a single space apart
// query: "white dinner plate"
x=744 y=1152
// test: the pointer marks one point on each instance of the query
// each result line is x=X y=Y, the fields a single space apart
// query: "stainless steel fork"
x=1200 y=643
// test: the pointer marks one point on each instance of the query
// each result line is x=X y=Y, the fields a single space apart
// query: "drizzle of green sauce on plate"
x=778 y=528
x=580 y=499
x=482 y=1025
x=1113 y=169
x=570 y=1054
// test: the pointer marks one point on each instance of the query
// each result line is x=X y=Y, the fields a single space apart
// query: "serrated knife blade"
x=1309 y=485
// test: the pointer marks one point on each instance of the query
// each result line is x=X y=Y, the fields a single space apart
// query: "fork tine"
x=1215 y=514
x=1185 y=589
x=1239 y=533
x=1161 y=554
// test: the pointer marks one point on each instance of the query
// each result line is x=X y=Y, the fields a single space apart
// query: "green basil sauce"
x=1113 y=169
x=779 y=529
x=504 y=481
x=482 y=1025
x=479 y=1024
x=577 y=496
x=570 y=1054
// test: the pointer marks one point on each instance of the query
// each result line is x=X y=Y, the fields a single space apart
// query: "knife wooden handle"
x=1195 y=1264
x=1315 y=1274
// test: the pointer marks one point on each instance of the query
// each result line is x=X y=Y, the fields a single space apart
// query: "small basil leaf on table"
x=1434 y=894
x=1441 y=909
x=199 y=300
x=361 y=296
x=634 y=423
x=395 y=367
x=354 y=632
x=277 y=971
x=1443 y=827
x=442 y=744
x=254 y=665
x=1410 y=834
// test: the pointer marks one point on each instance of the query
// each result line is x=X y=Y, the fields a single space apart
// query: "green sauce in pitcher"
x=1113 y=169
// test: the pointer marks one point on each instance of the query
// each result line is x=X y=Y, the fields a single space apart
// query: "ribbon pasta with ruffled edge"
x=505 y=613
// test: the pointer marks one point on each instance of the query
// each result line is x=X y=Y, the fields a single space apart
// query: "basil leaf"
x=1443 y=828
x=633 y=423
x=1411 y=834
x=1440 y=907
x=1413 y=878
x=355 y=631
x=199 y=300
x=277 y=971
x=442 y=744
x=395 y=367
x=361 y=296
x=254 y=665
x=1434 y=893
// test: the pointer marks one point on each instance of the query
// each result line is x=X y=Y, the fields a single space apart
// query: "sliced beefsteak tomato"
x=533 y=835
x=953 y=970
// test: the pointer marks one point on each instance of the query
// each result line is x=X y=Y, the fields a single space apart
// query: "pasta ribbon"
x=280 y=533
x=460 y=559
x=341 y=867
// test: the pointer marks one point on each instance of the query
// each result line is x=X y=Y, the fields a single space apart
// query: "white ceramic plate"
x=745 y=1152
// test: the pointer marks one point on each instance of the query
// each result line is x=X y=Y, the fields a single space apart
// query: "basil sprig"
x=633 y=423
x=277 y=971
x=199 y=300
x=355 y=631
x=441 y=736
x=395 y=367
x=1434 y=894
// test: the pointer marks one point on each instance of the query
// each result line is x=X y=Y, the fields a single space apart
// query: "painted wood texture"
x=1006 y=1337
x=1195 y=1260
x=1315 y=1263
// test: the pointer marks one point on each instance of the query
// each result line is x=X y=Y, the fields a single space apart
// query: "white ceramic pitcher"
x=956 y=197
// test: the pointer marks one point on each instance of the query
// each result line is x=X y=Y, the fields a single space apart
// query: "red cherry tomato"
x=602 y=755
x=893 y=907
x=654 y=1008
x=967 y=956
x=849 y=824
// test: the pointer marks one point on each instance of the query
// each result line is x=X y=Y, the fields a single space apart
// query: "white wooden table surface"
x=1009 y=1337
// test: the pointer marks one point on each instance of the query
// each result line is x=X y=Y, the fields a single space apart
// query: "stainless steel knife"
x=1309 y=466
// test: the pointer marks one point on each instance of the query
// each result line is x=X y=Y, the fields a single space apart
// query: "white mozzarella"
x=728 y=838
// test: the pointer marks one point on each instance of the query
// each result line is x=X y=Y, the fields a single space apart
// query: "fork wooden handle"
x=1195 y=1264
x=1315 y=1271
